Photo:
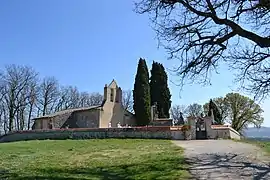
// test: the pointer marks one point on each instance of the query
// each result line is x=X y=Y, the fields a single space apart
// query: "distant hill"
x=263 y=132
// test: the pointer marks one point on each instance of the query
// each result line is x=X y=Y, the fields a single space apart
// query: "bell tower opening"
x=112 y=94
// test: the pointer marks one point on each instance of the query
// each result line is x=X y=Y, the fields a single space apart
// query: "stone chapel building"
x=110 y=111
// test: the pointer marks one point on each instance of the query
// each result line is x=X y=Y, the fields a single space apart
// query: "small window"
x=112 y=95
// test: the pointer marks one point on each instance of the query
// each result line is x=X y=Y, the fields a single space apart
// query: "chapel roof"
x=59 y=113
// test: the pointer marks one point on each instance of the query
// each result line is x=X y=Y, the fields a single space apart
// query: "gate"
x=200 y=129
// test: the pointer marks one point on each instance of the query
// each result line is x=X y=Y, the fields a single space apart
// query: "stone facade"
x=110 y=111
x=211 y=131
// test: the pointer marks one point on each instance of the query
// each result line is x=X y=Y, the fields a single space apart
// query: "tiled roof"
x=67 y=111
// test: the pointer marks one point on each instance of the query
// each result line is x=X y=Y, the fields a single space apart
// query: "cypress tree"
x=160 y=92
x=216 y=112
x=141 y=94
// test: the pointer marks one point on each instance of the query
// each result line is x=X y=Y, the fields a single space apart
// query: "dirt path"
x=225 y=159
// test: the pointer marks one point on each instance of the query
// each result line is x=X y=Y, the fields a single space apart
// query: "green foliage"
x=264 y=144
x=181 y=119
x=141 y=94
x=159 y=90
x=243 y=111
x=222 y=108
x=216 y=112
x=94 y=159
x=238 y=110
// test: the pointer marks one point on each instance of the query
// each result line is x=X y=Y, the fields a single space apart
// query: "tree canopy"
x=159 y=90
x=141 y=94
x=238 y=110
x=216 y=112
x=204 y=34
x=242 y=111
x=222 y=109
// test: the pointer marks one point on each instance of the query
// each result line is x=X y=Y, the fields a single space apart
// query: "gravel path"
x=225 y=159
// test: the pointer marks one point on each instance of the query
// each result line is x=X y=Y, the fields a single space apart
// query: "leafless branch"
x=202 y=34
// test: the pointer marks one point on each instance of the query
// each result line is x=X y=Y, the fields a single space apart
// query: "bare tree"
x=203 y=34
x=194 y=110
x=2 y=108
x=84 y=96
x=72 y=97
x=47 y=95
x=15 y=88
x=62 y=99
x=127 y=100
x=32 y=100
x=2 y=120
x=95 y=99
x=177 y=114
x=90 y=99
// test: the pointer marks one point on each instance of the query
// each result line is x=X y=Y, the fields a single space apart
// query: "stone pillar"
x=152 y=113
x=209 y=131
x=212 y=117
x=192 y=124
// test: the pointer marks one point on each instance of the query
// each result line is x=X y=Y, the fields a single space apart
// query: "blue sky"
x=88 y=43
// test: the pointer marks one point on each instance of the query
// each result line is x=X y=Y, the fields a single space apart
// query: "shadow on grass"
x=227 y=166
x=161 y=169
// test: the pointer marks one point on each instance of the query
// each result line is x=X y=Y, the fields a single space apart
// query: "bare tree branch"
x=47 y=95
x=127 y=100
x=15 y=87
x=202 y=34
x=177 y=114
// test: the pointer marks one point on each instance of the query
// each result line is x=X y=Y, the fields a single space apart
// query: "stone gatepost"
x=209 y=131
x=209 y=120
x=192 y=123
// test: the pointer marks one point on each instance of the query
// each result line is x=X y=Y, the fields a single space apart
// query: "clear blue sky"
x=87 y=43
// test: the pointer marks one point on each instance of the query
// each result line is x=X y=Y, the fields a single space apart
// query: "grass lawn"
x=265 y=145
x=92 y=159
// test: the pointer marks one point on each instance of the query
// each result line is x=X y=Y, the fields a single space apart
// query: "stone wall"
x=223 y=133
x=57 y=121
x=86 y=119
x=94 y=133
x=161 y=122
x=234 y=134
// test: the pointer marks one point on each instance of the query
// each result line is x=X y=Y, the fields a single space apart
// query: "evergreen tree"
x=216 y=112
x=181 y=120
x=141 y=94
x=159 y=90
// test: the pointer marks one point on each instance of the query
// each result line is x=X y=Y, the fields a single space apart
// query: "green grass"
x=92 y=159
x=265 y=145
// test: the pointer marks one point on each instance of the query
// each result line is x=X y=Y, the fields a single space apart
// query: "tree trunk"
x=29 y=116
x=11 y=118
